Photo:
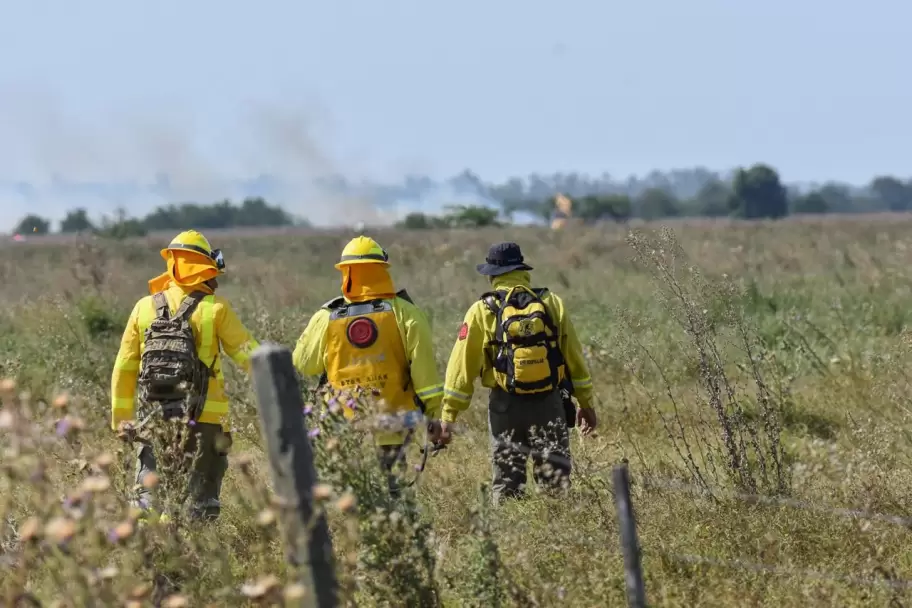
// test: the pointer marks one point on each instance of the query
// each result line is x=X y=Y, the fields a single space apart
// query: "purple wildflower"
x=63 y=427
x=352 y=405
x=112 y=536
x=191 y=423
x=308 y=410
x=313 y=432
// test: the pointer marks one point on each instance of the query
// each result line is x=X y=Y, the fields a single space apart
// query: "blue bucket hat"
x=503 y=258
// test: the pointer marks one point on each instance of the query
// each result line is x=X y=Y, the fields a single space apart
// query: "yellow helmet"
x=363 y=250
x=191 y=240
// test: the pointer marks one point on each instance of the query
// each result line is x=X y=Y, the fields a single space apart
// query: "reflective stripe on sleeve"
x=456 y=395
x=127 y=365
x=123 y=404
x=430 y=392
x=207 y=329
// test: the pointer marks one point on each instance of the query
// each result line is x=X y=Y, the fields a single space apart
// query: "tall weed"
x=741 y=439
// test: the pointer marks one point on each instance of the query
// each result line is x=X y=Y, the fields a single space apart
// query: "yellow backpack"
x=527 y=357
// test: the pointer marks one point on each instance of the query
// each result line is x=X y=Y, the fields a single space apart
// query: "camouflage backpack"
x=171 y=373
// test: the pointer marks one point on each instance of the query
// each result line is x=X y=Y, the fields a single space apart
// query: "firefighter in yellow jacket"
x=174 y=334
x=520 y=341
x=373 y=337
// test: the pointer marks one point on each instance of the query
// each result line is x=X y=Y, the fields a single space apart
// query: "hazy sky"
x=208 y=91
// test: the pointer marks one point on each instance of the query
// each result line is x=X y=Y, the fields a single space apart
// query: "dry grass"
x=763 y=357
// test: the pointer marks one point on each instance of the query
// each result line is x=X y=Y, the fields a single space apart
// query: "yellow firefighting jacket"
x=471 y=356
x=399 y=364
x=215 y=325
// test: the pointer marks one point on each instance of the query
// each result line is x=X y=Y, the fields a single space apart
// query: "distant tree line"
x=748 y=192
x=754 y=192
x=252 y=212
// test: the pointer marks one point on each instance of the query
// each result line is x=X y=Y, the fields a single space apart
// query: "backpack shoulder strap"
x=335 y=303
x=189 y=304
x=162 y=310
x=540 y=293
x=493 y=300
x=405 y=296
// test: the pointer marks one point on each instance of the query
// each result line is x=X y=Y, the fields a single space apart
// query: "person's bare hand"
x=126 y=431
x=446 y=433
x=586 y=420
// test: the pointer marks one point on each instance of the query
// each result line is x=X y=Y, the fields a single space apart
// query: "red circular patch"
x=362 y=332
x=463 y=331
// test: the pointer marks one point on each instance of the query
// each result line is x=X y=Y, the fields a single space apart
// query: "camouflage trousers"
x=205 y=475
x=390 y=457
x=523 y=428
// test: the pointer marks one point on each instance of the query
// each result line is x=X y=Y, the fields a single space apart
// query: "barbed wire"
x=648 y=483
x=740 y=564
x=677 y=486
x=413 y=419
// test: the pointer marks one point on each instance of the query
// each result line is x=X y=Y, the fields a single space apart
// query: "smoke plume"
x=53 y=160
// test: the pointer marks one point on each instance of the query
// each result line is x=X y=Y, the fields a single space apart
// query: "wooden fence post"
x=294 y=476
x=630 y=546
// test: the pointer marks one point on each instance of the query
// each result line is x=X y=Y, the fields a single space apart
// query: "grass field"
x=760 y=358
